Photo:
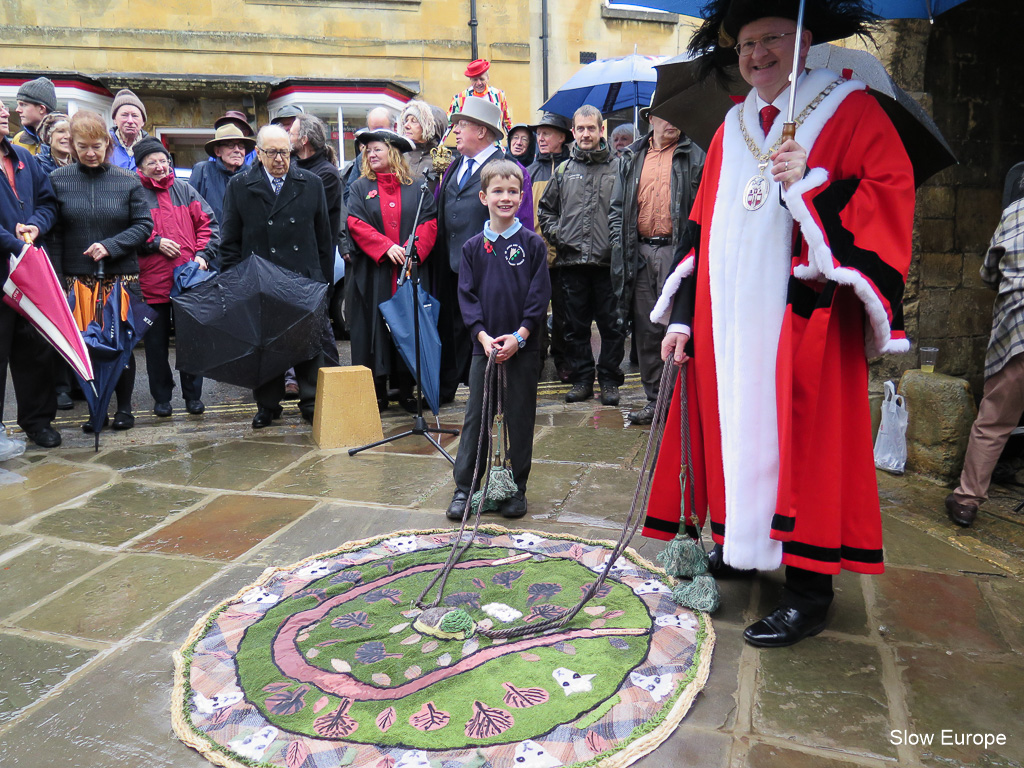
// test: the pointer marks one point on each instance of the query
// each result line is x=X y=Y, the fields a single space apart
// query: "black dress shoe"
x=513 y=507
x=264 y=417
x=122 y=421
x=163 y=410
x=718 y=568
x=195 y=407
x=47 y=437
x=961 y=514
x=458 y=505
x=782 y=627
x=64 y=402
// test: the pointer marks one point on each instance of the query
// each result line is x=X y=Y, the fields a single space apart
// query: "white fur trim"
x=821 y=265
x=663 y=306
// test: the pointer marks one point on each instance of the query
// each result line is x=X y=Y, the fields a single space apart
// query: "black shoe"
x=961 y=514
x=87 y=427
x=609 y=394
x=195 y=407
x=47 y=437
x=163 y=410
x=123 y=420
x=718 y=568
x=782 y=627
x=382 y=403
x=264 y=417
x=515 y=506
x=579 y=392
x=408 y=404
x=64 y=402
x=458 y=505
x=643 y=416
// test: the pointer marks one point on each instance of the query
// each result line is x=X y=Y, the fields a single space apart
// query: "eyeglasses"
x=768 y=42
x=274 y=152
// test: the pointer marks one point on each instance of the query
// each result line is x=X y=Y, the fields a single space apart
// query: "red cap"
x=477 y=67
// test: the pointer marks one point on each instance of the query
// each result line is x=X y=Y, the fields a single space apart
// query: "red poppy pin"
x=371 y=194
x=21 y=166
x=488 y=247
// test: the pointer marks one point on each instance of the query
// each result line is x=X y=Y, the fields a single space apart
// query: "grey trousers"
x=653 y=268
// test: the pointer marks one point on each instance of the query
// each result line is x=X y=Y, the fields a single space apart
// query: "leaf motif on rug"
x=488 y=721
x=429 y=718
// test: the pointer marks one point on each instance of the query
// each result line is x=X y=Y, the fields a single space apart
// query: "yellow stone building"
x=191 y=60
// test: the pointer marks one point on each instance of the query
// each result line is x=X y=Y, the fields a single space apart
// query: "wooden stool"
x=346 y=408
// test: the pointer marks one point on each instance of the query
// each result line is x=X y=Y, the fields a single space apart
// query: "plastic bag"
x=10 y=447
x=891 y=443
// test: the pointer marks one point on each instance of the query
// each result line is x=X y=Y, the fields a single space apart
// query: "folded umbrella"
x=110 y=343
x=249 y=324
x=398 y=314
x=189 y=275
x=34 y=291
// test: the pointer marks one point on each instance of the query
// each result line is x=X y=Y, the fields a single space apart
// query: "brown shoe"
x=961 y=514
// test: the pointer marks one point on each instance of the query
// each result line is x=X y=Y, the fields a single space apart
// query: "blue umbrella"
x=887 y=9
x=398 y=314
x=189 y=275
x=110 y=347
x=608 y=84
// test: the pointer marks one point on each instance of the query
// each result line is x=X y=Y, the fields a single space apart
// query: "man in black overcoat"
x=279 y=212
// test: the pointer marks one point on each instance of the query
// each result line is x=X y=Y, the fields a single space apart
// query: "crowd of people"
x=94 y=195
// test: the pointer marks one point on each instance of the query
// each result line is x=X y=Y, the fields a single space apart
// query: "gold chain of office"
x=762 y=159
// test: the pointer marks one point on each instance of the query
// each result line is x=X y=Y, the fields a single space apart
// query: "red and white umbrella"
x=35 y=292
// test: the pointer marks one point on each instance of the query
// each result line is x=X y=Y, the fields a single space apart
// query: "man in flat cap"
x=799 y=258
x=479 y=77
x=36 y=99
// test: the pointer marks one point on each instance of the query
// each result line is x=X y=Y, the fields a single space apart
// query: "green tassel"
x=700 y=594
x=499 y=489
x=684 y=557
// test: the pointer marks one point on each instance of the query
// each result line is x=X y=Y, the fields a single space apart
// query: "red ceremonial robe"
x=784 y=303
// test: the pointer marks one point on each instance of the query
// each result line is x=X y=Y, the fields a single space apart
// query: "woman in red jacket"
x=381 y=206
x=184 y=230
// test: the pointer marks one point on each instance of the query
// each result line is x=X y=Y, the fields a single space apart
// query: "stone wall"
x=966 y=72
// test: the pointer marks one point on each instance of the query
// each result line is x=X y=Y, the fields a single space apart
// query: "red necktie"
x=768 y=115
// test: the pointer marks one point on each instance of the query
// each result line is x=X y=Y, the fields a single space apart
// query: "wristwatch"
x=520 y=339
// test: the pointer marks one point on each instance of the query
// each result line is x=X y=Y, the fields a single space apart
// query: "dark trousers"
x=269 y=395
x=32 y=370
x=456 y=348
x=586 y=297
x=161 y=378
x=653 y=267
x=807 y=591
x=520 y=408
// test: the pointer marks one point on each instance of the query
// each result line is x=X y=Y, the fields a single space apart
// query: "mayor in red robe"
x=800 y=254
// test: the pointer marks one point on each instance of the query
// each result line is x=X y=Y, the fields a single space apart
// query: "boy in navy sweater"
x=504 y=290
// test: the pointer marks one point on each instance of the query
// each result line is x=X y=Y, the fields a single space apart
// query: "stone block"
x=937 y=236
x=941 y=410
x=977 y=214
x=935 y=202
x=941 y=270
x=346 y=411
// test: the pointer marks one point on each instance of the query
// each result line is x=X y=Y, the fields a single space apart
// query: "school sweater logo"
x=515 y=255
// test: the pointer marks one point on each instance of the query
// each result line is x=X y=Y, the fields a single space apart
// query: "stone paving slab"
x=226 y=527
x=46 y=485
x=31 y=668
x=40 y=571
x=117 y=514
x=114 y=601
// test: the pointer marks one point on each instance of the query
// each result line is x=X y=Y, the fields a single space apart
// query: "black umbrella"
x=249 y=324
x=698 y=107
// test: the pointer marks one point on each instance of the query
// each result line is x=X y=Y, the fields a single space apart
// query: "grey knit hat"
x=39 y=91
x=124 y=98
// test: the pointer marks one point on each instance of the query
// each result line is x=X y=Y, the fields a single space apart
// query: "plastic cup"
x=928 y=357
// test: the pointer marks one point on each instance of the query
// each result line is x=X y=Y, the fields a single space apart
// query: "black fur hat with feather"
x=827 y=20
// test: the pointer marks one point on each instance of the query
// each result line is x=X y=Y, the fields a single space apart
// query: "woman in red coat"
x=184 y=230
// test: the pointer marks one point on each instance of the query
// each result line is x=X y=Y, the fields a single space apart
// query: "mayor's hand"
x=674 y=346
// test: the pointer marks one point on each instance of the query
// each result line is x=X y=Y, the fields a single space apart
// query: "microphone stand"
x=410 y=270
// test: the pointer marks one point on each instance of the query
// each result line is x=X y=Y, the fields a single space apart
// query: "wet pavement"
x=107 y=560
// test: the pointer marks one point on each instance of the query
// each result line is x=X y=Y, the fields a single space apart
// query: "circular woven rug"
x=322 y=663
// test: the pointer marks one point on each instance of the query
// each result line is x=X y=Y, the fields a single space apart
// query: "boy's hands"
x=506 y=345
